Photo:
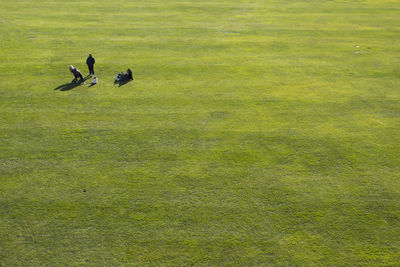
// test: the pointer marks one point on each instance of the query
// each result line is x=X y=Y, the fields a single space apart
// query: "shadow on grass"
x=122 y=82
x=68 y=86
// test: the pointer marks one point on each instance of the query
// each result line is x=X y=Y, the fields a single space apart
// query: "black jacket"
x=129 y=74
x=90 y=61
x=76 y=72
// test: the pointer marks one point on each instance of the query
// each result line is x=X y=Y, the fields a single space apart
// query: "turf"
x=255 y=133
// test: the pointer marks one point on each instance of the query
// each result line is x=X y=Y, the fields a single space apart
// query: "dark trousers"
x=91 y=70
x=79 y=76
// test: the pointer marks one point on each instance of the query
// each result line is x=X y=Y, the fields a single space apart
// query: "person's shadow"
x=67 y=86
x=71 y=85
x=122 y=82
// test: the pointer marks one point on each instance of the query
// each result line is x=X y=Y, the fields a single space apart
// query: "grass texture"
x=257 y=132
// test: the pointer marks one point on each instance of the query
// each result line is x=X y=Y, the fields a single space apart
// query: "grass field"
x=257 y=132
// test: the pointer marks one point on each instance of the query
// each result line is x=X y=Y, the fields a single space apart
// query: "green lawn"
x=259 y=132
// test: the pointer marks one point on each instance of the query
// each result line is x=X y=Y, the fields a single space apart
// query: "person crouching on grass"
x=77 y=74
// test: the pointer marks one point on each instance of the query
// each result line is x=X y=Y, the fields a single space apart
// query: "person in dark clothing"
x=77 y=74
x=90 y=62
x=129 y=74
x=124 y=76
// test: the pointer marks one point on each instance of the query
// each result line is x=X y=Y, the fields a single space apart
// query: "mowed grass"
x=254 y=133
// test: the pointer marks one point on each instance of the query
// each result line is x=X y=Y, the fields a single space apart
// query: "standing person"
x=77 y=74
x=90 y=62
